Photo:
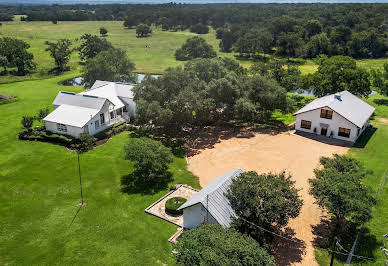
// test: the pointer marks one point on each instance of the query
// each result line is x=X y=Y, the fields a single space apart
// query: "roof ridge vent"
x=338 y=96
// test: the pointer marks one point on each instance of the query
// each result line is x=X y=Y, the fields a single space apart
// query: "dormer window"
x=328 y=114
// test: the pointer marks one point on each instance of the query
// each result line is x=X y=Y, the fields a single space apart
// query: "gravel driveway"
x=272 y=151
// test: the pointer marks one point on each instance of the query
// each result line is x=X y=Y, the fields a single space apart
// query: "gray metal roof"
x=86 y=101
x=117 y=92
x=345 y=104
x=121 y=89
x=213 y=198
x=99 y=83
x=71 y=115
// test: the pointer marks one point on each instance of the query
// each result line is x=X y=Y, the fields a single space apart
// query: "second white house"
x=342 y=116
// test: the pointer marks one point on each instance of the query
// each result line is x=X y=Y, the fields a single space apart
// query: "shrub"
x=27 y=122
x=119 y=124
x=43 y=113
x=173 y=204
x=102 y=135
x=119 y=129
x=86 y=142
x=41 y=134
x=103 y=31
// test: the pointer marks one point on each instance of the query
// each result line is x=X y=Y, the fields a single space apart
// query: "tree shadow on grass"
x=132 y=184
x=288 y=252
x=324 y=233
x=381 y=101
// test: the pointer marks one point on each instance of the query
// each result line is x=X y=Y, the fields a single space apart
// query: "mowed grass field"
x=41 y=223
x=151 y=55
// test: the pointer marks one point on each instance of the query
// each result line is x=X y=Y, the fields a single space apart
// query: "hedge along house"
x=92 y=111
x=342 y=116
x=210 y=205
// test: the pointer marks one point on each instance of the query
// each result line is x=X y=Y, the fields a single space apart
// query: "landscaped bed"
x=41 y=134
x=172 y=205
x=4 y=99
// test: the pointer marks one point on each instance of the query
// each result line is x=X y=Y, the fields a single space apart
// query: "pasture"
x=151 y=55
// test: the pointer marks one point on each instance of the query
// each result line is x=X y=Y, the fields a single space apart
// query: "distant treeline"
x=296 y=30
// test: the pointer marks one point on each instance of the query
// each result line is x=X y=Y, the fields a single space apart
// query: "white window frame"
x=302 y=122
x=97 y=124
x=341 y=134
x=61 y=127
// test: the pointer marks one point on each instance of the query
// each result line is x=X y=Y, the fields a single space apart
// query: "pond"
x=310 y=93
x=78 y=81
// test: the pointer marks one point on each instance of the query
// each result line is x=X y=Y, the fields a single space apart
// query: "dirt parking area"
x=265 y=152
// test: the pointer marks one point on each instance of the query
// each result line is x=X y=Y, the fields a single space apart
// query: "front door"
x=324 y=131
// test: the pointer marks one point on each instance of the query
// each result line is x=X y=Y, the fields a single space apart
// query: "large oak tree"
x=338 y=188
x=215 y=245
x=266 y=200
x=110 y=65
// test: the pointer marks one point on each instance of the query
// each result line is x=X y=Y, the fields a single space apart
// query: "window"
x=62 y=127
x=97 y=124
x=328 y=114
x=344 y=132
x=102 y=119
x=305 y=124
x=112 y=115
x=119 y=111
x=358 y=131
x=86 y=129
x=125 y=109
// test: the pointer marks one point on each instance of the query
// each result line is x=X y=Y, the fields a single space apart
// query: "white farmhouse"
x=93 y=110
x=210 y=205
x=342 y=116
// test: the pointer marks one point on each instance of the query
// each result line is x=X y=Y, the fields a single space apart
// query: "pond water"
x=310 y=93
x=78 y=81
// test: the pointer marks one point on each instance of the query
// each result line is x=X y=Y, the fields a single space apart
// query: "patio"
x=157 y=208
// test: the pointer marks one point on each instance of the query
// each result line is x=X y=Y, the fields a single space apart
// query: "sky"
x=181 y=1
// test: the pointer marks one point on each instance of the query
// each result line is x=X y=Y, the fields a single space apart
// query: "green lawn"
x=375 y=157
x=39 y=193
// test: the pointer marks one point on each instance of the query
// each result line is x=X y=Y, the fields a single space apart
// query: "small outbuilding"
x=210 y=205
x=342 y=116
